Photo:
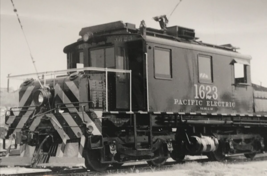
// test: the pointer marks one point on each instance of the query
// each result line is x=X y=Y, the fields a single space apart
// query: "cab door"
x=122 y=80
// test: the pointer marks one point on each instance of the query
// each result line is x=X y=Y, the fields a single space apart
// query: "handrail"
x=105 y=70
x=71 y=70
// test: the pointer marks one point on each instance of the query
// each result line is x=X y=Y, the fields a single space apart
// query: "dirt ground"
x=254 y=168
x=191 y=168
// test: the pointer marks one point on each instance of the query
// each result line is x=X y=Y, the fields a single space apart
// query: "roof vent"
x=181 y=32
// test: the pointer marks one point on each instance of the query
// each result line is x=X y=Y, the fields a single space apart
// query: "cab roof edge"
x=107 y=27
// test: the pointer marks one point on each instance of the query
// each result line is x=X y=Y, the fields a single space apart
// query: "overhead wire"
x=29 y=48
x=175 y=8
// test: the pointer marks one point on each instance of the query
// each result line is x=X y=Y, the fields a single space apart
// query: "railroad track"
x=136 y=167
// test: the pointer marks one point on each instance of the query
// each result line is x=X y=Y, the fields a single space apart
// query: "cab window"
x=103 y=57
x=205 y=74
x=162 y=63
x=240 y=72
x=75 y=59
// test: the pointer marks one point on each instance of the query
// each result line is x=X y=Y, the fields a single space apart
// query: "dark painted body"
x=178 y=94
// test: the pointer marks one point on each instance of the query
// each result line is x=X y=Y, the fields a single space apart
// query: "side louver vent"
x=181 y=32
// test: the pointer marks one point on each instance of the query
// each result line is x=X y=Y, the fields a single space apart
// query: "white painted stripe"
x=64 y=98
x=114 y=112
x=72 y=86
x=81 y=148
x=142 y=112
x=193 y=113
x=99 y=114
x=59 y=152
x=26 y=95
x=22 y=150
x=265 y=115
x=63 y=146
x=251 y=115
x=129 y=112
x=241 y=114
x=10 y=120
x=72 y=124
x=233 y=114
x=203 y=113
x=57 y=126
x=223 y=114
x=169 y=112
x=214 y=114
x=88 y=120
x=24 y=118
x=258 y=115
x=82 y=142
x=181 y=113
x=35 y=122
x=22 y=121
x=157 y=112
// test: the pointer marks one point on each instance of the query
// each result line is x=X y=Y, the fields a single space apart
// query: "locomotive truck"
x=131 y=94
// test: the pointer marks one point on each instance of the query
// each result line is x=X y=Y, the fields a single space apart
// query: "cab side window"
x=240 y=73
x=162 y=63
x=205 y=71
x=75 y=59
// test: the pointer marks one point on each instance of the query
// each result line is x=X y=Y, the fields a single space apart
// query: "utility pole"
x=8 y=82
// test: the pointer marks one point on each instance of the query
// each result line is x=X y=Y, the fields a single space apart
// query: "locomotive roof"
x=191 y=45
x=170 y=37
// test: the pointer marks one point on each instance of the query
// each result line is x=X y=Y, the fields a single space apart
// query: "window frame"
x=211 y=69
x=245 y=73
x=161 y=76
x=103 y=48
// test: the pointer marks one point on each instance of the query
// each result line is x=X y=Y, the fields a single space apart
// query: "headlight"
x=41 y=97
x=7 y=113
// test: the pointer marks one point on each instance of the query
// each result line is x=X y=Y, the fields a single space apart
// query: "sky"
x=50 y=25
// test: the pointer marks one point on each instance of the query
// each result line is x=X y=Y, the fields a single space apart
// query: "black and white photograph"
x=133 y=87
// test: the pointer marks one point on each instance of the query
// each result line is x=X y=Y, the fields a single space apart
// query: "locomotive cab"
x=117 y=53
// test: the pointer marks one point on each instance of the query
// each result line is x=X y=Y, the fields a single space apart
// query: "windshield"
x=107 y=57
x=102 y=57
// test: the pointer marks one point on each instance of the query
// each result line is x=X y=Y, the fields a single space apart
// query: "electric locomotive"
x=138 y=94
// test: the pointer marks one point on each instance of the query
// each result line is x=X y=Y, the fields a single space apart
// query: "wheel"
x=217 y=155
x=250 y=155
x=160 y=160
x=93 y=160
x=157 y=162
x=178 y=157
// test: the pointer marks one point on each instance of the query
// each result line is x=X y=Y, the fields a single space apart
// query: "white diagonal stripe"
x=35 y=122
x=10 y=120
x=58 y=127
x=72 y=86
x=72 y=124
x=88 y=120
x=23 y=119
x=65 y=99
x=26 y=96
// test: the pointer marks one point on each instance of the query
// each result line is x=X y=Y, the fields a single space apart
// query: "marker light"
x=90 y=128
x=86 y=36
